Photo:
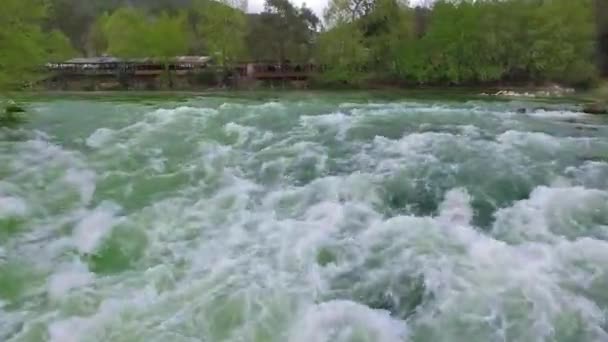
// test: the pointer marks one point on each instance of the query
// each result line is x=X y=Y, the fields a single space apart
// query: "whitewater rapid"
x=303 y=219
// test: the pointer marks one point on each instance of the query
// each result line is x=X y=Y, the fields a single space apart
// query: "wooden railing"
x=269 y=71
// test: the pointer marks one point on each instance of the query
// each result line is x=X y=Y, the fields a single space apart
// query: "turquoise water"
x=303 y=218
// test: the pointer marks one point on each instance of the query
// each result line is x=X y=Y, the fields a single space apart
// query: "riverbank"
x=381 y=90
x=553 y=95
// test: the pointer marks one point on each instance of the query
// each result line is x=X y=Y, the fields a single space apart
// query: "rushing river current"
x=307 y=218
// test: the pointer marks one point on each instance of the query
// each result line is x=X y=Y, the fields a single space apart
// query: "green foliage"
x=224 y=29
x=282 y=32
x=471 y=42
x=128 y=33
x=58 y=47
x=343 y=53
x=169 y=36
x=24 y=46
x=131 y=33
x=452 y=42
x=97 y=41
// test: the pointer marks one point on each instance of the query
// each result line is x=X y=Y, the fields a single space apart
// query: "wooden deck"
x=273 y=71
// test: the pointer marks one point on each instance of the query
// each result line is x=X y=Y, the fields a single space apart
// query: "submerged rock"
x=521 y=110
x=402 y=295
x=11 y=113
x=595 y=108
x=524 y=110
x=14 y=108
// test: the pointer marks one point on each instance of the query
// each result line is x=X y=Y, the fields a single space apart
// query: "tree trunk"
x=601 y=16
x=169 y=74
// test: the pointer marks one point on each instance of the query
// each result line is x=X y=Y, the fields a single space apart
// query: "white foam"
x=342 y=321
x=100 y=137
x=69 y=330
x=557 y=114
x=225 y=249
x=456 y=208
x=83 y=180
x=164 y=116
x=549 y=213
x=537 y=139
x=327 y=120
x=270 y=105
x=158 y=164
x=67 y=278
x=94 y=227
x=243 y=133
x=338 y=121
x=11 y=206
x=475 y=278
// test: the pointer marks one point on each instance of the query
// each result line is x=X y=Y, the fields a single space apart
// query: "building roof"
x=192 y=59
x=93 y=60
x=196 y=60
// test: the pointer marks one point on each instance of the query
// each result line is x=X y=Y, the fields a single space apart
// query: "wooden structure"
x=601 y=14
x=276 y=71
x=179 y=73
x=102 y=73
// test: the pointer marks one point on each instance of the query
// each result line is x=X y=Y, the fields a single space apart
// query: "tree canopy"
x=471 y=42
x=129 y=32
x=224 y=29
x=24 y=45
x=282 y=32
x=451 y=42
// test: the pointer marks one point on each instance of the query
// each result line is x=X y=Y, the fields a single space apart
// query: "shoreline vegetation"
x=358 y=42
x=387 y=45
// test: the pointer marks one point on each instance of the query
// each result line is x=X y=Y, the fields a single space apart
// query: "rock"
x=11 y=113
x=533 y=110
x=325 y=257
x=587 y=128
x=13 y=108
x=511 y=93
x=595 y=108
x=544 y=109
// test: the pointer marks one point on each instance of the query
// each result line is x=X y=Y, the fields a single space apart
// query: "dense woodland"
x=457 y=42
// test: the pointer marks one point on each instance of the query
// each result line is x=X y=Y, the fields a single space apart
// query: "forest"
x=445 y=42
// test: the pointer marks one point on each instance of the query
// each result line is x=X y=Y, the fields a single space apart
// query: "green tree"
x=283 y=32
x=169 y=38
x=24 y=46
x=73 y=18
x=97 y=42
x=385 y=27
x=58 y=47
x=562 y=41
x=129 y=33
x=484 y=41
x=347 y=11
x=77 y=18
x=342 y=52
x=601 y=17
x=223 y=28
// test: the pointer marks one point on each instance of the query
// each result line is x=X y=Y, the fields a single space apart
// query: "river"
x=304 y=218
